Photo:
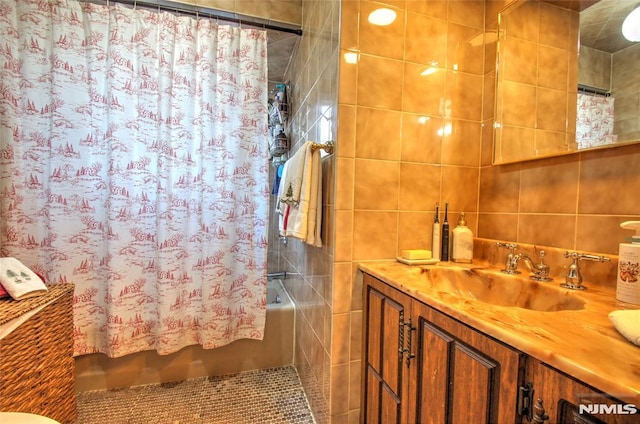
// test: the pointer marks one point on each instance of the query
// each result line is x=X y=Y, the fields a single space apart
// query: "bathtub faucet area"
x=280 y=275
x=98 y=372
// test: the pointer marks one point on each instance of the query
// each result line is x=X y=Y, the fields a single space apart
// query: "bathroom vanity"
x=451 y=343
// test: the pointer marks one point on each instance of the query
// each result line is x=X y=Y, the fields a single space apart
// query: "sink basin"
x=500 y=289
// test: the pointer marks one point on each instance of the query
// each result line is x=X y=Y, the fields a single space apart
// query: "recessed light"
x=382 y=16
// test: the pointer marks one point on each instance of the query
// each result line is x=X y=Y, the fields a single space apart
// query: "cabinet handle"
x=408 y=351
x=539 y=414
x=535 y=413
x=401 y=348
x=525 y=399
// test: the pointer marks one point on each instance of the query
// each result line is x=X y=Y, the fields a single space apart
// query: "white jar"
x=462 y=250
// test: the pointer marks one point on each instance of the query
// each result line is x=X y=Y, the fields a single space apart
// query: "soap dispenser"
x=462 y=242
x=628 y=286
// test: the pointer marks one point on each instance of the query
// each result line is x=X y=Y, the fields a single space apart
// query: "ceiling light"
x=631 y=25
x=382 y=16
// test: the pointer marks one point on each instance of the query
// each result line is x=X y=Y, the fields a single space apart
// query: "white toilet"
x=24 y=418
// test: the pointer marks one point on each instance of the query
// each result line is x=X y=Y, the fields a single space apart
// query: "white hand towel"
x=627 y=322
x=282 y=209
x=318 y=223
x=290 y=220
x=298 y=216
x=314 y=215
x=292 y=186
x=18 y=280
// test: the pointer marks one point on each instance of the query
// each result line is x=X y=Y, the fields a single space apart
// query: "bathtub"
x=99 y=372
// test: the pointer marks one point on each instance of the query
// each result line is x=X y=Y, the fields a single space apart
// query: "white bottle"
x=628 y=287
x=462 y=242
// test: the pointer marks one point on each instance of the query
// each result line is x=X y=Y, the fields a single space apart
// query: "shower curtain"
x=595 y=121
x=133 y=163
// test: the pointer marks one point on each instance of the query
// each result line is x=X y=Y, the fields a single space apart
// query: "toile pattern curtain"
x=133 y=163
x=595 y=120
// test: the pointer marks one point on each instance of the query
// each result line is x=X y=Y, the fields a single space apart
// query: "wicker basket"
x=37 y=369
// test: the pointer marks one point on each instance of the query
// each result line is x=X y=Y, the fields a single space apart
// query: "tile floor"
x=271 y=395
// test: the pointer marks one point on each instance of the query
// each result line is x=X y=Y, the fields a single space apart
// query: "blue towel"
x=276 y=181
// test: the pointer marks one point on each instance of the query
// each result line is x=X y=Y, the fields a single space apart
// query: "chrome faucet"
x=573 y=280
x=538 y=272
x=510 y=266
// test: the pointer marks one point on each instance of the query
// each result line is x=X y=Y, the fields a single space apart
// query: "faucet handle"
x=573 y=280
x=511 y=263
x=511 y=246
x=575 y=256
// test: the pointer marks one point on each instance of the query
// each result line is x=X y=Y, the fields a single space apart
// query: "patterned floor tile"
x=270 y=396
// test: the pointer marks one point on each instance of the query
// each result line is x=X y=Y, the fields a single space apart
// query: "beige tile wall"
x=313 y=75
x=405 y=142
x=626 y=91
x=574 y=202
x=594 y=68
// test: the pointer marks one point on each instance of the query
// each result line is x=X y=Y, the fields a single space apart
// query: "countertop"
x=582 y=343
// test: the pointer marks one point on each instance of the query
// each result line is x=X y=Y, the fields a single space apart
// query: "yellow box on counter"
x=414 y=254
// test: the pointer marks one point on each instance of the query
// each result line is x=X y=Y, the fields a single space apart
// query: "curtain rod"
x=194 y=10
x=592 y=90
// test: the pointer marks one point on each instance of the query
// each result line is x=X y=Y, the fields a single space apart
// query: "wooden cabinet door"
x=461 y=375
x=385 y=311
x=423 y=366
x=562 y=396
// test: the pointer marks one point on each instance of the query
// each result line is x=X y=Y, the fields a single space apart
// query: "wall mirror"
x=566 y=79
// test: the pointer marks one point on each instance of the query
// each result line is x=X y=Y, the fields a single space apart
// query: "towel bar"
x=327 y=147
